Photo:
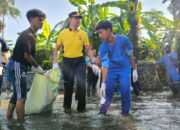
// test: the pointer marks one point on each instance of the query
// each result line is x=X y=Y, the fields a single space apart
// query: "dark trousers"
x=91 y=82
x=71 y=68
x=1 y=81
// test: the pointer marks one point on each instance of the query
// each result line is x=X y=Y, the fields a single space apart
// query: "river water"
x=152 y=111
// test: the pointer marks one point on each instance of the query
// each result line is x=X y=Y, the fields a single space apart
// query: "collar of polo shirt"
x=77 y=30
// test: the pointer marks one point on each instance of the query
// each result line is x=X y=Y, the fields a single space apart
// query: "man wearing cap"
x=73 y=41
x=23 y=56
x=169 y=60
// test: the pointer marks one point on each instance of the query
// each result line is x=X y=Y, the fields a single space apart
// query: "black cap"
x=104 y=24
x=75 y=14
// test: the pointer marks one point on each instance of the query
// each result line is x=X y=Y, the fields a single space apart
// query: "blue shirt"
x=87 y=60
x=116 y=56
x=4 y=47
x=169 y=64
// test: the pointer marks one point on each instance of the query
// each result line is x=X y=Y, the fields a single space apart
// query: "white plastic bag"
x=43 y=92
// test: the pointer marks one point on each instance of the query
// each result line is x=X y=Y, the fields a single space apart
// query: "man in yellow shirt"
x=74 y=40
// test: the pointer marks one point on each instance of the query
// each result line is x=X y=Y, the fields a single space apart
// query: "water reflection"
x=153 y=111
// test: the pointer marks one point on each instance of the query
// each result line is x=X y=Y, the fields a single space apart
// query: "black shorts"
x=18 y=73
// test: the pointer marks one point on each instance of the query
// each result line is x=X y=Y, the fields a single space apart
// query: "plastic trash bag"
x=43 y=92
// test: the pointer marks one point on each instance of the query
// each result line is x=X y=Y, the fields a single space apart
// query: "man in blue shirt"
x=169 y=60
x=116 y=54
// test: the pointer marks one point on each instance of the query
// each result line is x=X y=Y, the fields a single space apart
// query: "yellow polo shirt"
x=73 y=42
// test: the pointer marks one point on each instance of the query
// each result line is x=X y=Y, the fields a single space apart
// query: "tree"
x=128 y=20
x=174 y=9
x=157 y=27
x=45 y=43
x=133 y=19
x=93 y=13
x=7 y=8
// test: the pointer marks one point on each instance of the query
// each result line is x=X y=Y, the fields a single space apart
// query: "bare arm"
x=7 y=55
x=89 y=65
x=133 y=62
x=90 y=53
x=56 y=53
x=30 y=59
x=104 y=74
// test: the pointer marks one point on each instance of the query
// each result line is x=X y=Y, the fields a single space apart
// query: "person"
x=92 y=78
x=98 y=62
x=23 y=56
x=74 y=40
x=135 y=85
x=7 y=75
x=3 y=48
x=116 y=54
x=169 y=60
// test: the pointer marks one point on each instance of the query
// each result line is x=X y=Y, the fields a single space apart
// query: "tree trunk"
x=3 y=19
x=133 y=21
x=178 y=48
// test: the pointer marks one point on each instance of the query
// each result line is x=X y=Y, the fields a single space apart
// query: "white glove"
x=135 y=75
x=102 y=92
x=177 y=70
x=102 y=101
x=1 y=70
x=95 y=69
x=39 y=70
x=169 y=54
x=55 y=66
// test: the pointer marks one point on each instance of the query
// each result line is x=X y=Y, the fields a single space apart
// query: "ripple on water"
x=153 y=111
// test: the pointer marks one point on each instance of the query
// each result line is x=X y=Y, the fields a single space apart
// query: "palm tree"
x=7 y=8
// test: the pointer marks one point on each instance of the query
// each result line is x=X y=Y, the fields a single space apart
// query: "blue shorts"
x=8 y=68
x=18 y=73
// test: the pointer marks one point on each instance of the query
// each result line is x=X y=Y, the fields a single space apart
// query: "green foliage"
x=45 y=44
x=78 y=2
x=47 y=64
x=129 y=20
x=93 y=13
x=157 y=27
x=174 y=9
x=7 y=8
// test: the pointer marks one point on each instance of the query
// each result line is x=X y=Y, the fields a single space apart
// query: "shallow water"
x=152 y=111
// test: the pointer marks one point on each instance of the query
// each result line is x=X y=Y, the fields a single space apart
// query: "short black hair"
x=104 y=24
x=35 y=13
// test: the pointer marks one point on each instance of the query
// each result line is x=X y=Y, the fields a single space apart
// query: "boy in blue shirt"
x=116 y=54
